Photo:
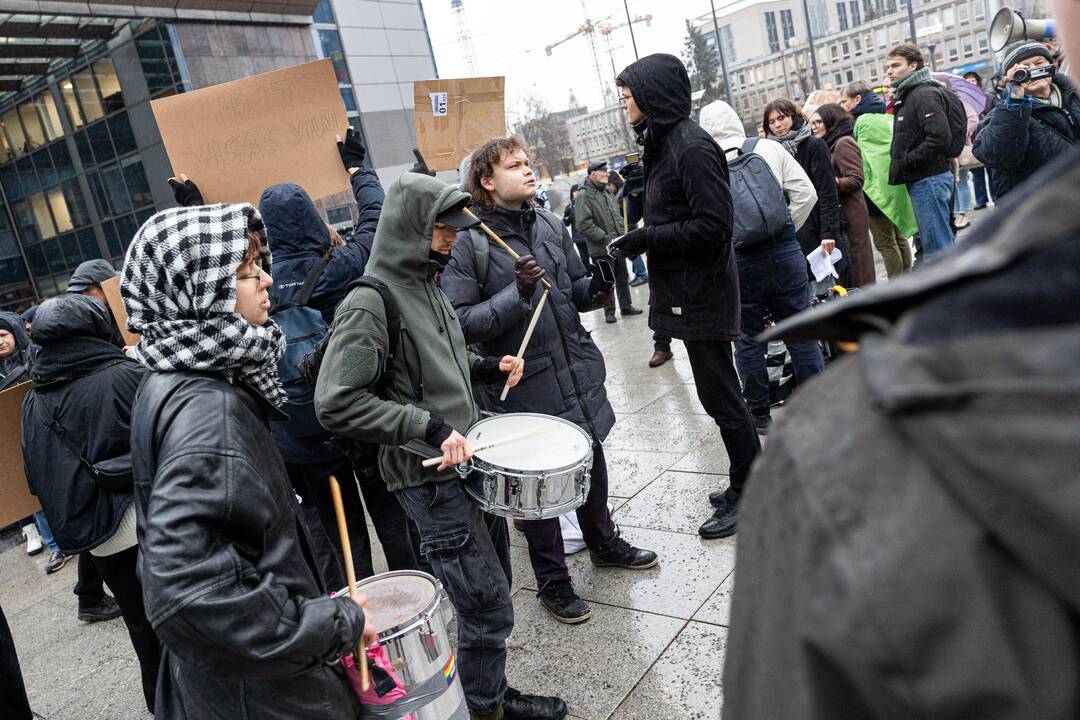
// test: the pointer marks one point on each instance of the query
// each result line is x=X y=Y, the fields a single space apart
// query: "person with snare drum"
x=494 y=298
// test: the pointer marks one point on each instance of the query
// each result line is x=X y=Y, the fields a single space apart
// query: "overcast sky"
x=509 y=37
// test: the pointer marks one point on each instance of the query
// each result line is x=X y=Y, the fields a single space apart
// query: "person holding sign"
x=416 y=386
x=230 y=585
x=494 y=299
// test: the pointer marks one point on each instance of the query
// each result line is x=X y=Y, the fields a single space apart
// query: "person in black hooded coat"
x=16 y=353
x=693 y=278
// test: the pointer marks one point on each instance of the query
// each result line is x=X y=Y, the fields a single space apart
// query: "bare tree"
x=547 y=136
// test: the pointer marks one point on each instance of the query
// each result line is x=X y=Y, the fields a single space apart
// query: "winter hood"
x=661 y=90
x=75 y=334
x=722 y=122
x=293 y=225
x=400 y=251
x=871 y=103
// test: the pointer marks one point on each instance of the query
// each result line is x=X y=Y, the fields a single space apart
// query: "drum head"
x=552 y=444
x=394 y=599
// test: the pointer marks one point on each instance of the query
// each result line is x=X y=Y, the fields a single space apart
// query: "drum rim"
x=476 y=459
x=491 y=508
x=416 y=621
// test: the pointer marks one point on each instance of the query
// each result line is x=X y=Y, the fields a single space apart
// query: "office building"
x=601 y=135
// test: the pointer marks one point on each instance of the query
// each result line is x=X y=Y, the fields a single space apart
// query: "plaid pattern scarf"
x=179 y=290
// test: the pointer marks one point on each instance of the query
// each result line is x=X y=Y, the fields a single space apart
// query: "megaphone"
x=1010 y=26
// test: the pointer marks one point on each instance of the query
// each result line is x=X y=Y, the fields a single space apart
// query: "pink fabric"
x=370 y=697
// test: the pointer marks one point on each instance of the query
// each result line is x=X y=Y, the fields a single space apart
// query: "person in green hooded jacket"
x=426 y=397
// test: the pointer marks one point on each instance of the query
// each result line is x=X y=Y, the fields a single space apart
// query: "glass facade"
x=328 y=42
x=74 y=187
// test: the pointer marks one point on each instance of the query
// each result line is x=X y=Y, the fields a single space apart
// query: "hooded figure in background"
x=16 y=354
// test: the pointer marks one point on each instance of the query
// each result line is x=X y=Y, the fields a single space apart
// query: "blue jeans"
x=984 y=180
x=962 y=202
x=639 y=269
x=930 y=199
x=772 y=281
x=46 y=532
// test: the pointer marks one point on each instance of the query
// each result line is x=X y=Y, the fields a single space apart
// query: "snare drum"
x=411 y=613
x=542 y=475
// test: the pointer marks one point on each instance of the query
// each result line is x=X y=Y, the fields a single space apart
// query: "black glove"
x=351 y=150
x=527 y=273
x=437 y=431
x=629 y=245
x=186 y=193
x=485 y=371
x=420 y=166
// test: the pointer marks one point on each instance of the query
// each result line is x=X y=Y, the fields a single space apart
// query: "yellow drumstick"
x=350 y=573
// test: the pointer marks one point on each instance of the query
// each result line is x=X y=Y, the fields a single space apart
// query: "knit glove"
x=186 y=193
x=352 y=151
x=437 y=431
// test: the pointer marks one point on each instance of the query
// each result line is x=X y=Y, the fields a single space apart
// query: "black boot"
x=517 y=706
x=616 y=552
x=722 y=523
x=559 y=598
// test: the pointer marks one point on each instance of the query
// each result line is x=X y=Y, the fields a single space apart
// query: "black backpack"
x=957 y=116
x=759 y=207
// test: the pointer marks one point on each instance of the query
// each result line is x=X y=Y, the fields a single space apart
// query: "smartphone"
x=607 y=273
x=633 y=158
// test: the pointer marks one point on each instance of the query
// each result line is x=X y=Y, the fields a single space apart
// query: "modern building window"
x=50 y=118
x=953 y=49
x=856 y=20
x=159 y=63
x=834 y=52
x=969 y=46
x=788 y=24
x=324 y=13
x=841 y=16
x=108 y=85
x=963 y=15
x=980 y=10
x=845 y=49
x=984 y=43
x=727 y=40
x=770 y=28
x=881 y=37
x=857 y=45
x=948 y=17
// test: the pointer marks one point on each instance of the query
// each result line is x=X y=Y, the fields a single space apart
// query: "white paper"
x=822 y=265
x=439 y=102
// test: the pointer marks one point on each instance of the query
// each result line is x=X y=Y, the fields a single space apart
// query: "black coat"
x=15 y=368
x=693 y=279
x=921 y=135
x=88 y=385
x=1016 y=143
x=564 y=370
x=227 y=568
x=823 y=222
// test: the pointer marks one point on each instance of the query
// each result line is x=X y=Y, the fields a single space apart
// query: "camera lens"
x=1022 y=75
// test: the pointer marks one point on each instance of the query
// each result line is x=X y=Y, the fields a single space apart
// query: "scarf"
x=793 y=139
x=179 y=289
x=911 y=81
x=842 y=129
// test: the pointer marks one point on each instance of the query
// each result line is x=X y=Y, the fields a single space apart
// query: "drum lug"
x=464 y=469
x=541 y=479
x=515 y=493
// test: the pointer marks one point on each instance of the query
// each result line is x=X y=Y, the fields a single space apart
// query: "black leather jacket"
x=227 y=567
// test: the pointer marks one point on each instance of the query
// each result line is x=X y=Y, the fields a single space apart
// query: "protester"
x=891 y=217
x=789 y=127
x=76 y=417
x=832 y=124
x=301 y=243
x=598 y=218
x=16 y=353
x=494 y=312
x=931 y=582
x=429 y=398
x=568 y=221
x=921 y=136
x=86 y=280
x=693 y=276
x=1037 y=121
x=229 y=578
x=772 y=272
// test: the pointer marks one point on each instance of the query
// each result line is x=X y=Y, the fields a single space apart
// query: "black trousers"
x=661 y=342
x=545 y=536
x=720 y=394
x=12 y=689
x=88 y=587
x=118 y=571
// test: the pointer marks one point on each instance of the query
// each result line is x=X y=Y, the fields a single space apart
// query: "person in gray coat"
x=564 y=370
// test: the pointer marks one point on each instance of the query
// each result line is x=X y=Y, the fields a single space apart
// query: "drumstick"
x=350 y=573
x=502 y=243
x=435 y=461
x=525 y=340
x=625 y=219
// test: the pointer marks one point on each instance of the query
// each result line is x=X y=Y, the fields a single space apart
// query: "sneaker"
x=961 y=220
x=107 y=609
x=638 y=281
x=762 y=423
x=616 y=552
x=33 y=539
x=559 y=598
x=632 y=311
x=722 y=522
x=56 y=561
x=518 y=706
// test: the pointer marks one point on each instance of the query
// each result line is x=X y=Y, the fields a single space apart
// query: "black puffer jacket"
x=1016 y=141
x=15 y=368
x=693 y=279
x=921 y=135
x=564 y=370
x=87 y=385
x=227 y=567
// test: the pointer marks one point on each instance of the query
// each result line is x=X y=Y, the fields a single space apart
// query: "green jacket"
x=597 y=217
x=431 y=370
x=873 y=132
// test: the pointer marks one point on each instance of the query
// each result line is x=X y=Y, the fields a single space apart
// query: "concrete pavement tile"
x=629 y=471
x=718 y=608
x=686 y=682
x=627 y=398
x=676 y=501
x=690 y=570
x=594 y=665
x=680 y=400
x=111 y=692
x=707 y=455
x=656 y=433
x=19 y=591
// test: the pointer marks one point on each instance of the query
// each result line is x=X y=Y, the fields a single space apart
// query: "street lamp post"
x=810 y=43
x=912 y=35
x=630 y=25
x=720 y=51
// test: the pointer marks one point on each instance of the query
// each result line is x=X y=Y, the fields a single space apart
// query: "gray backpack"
x=760 y=210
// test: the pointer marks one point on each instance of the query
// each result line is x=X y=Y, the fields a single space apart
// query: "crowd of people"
x=191 y=471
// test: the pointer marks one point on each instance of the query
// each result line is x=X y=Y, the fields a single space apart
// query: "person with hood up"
x=693 y=277
x=1036 y=122
x=231 y=587
x=426 y=396
x=772 y=274
x=78 y=413
x=16 y=353
x=891 y=217
x=86 y=280
x=299 y=239
x=937 y=578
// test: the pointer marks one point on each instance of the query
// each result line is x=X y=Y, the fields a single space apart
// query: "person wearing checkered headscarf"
x=179 y=290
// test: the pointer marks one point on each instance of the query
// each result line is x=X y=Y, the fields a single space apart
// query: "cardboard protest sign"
x=16 y=502
x=236 y=139
x=111 y=288
x=454 y=117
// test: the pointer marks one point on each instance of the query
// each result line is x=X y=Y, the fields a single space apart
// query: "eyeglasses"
x=252 y=276
x=623 y=99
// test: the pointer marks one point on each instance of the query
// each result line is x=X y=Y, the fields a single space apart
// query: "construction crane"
x=590 y=30
x=461 y=23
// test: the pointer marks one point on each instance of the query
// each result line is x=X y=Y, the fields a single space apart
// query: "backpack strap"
x=393 y=321
x=481 y=255
x=748 y=145
x=304 y=295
